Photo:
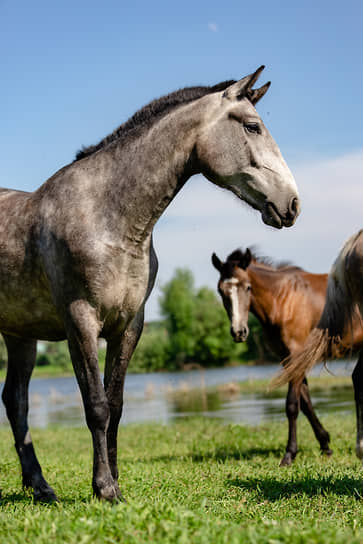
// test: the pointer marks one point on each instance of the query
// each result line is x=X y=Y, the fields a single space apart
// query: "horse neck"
x=140 y=177
x=265 y=288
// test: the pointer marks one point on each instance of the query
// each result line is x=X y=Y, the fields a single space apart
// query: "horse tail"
x=325 y=340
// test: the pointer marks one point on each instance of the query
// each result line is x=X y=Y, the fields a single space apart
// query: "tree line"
x=193 y=331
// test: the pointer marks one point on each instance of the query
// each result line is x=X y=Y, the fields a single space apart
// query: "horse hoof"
x=327 y=452
x=110 y=493
x=287 y=460
x=44 y=494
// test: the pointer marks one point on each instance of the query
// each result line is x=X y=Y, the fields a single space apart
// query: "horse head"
x=236 y=151
x=234 y=286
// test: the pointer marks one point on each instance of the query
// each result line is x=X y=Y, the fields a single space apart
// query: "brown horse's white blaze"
x=234 y=286
x=239 y=312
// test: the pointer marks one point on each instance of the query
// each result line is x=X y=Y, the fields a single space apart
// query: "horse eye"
x=252 y=128
x=248 y=288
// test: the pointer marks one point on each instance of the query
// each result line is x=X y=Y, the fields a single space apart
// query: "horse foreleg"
x=357 y=378
x=82 y=335
x=21 y=360
x=321 y=434
x=119 y=352
x=292 y=407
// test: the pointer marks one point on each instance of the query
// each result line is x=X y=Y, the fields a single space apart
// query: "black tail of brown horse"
x=333 y=335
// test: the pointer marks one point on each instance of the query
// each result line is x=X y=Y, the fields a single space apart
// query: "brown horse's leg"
x=357 y=377
x=82 y=335
x=118 y=355
x=307 y=408
x=292 y=408
x=21 y=360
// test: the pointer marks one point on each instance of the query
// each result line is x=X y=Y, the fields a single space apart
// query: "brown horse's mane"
x=149 y=114
x=261 y=260
x=290 y=278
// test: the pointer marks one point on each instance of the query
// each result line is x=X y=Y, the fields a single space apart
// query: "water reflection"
x=169 y=396
x=198 y=401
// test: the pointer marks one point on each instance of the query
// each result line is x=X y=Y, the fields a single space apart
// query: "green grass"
x=325 y=382
x=196 y=481
x=48 y=371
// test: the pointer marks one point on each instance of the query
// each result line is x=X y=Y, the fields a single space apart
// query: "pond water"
x=164 y=397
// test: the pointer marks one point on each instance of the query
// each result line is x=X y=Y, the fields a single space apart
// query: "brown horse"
x=288 y=302
x=343 y=307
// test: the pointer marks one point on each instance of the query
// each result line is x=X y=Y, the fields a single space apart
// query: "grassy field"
x=197 y=481
x=316 y=384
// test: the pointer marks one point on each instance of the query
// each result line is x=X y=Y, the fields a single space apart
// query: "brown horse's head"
x=234 y=286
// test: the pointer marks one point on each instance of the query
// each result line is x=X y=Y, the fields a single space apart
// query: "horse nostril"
x=239 y=335
x=293 y=207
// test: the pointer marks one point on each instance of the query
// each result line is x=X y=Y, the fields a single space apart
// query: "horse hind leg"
x=292 y=408
x=320 y=432
x=21 y=360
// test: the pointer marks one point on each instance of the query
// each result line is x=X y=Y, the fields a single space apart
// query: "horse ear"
x=245 y=260
x=256 y=94
x=217 y=263
x=248 y=257
x=243 y=87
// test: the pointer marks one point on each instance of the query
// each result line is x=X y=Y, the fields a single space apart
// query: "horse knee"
x=98 y=416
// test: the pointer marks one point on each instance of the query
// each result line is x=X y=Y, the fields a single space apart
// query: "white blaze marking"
x=231 y=280
x=235 y=308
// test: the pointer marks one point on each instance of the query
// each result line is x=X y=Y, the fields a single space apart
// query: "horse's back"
x=353 y=255
x=351 y=260
x=347 y=269
x=6 y=191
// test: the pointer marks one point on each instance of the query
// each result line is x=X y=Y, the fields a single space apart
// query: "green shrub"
x=151 y=353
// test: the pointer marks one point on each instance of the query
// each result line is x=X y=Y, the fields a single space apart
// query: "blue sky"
x=72 y=71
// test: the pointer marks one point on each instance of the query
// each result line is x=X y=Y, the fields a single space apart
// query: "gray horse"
x=76 y=255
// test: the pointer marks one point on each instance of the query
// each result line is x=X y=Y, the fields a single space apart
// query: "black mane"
x=266 y=262
x=152 y=112
x=235 y=256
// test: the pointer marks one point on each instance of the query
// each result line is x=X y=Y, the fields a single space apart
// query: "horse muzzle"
x=274 y=218
x=239 y=335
